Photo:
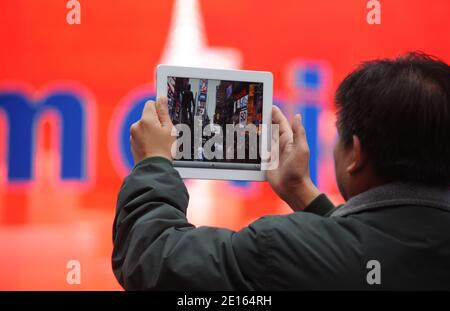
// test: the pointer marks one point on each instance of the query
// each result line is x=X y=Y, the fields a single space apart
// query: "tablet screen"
x=218 y=122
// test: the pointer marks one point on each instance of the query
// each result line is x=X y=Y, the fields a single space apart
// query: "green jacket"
x=405 y=228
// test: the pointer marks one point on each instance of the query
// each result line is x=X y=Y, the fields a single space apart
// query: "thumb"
x=163 y=111
x=298 y=130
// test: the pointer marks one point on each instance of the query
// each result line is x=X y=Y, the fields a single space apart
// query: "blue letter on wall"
x=22 y=116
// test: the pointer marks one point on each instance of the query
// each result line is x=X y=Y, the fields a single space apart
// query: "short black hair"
x=400 y=110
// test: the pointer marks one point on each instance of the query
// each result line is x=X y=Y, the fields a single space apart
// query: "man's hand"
x=151 y=136
x=290 y=180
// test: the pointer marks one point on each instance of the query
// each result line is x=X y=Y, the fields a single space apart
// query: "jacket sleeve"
x=321 y=206
x=156 y=248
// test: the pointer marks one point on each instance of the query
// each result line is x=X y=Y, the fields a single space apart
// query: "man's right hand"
x=291 y=180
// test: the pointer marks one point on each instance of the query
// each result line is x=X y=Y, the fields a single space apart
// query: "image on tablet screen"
x=222 y=119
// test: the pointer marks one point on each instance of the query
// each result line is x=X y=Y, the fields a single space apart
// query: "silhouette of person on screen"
x=187 y=106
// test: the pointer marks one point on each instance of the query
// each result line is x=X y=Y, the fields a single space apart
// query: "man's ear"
x=358 y=157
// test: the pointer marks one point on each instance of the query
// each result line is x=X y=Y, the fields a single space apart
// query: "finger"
x=279 y=118
x=133 y=129
x=132 y=142
x=149 y=112
x=275 y=148
x=284 y=128
x=298 y=130
x=163 y=111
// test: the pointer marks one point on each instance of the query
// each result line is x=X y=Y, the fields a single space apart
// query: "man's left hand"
x=151 y=136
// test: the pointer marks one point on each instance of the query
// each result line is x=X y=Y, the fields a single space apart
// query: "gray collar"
x=396 y=194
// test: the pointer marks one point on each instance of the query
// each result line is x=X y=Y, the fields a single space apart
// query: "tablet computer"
x=223 y=120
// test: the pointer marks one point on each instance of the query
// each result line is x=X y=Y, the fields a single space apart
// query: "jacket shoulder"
x=301 y=250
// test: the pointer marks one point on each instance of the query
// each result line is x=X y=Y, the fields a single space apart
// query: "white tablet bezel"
x=165 y=71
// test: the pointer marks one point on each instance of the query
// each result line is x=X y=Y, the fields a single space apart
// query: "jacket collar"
x=396 y=194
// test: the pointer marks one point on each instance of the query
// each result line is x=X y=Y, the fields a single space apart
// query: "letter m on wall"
x=22 y=115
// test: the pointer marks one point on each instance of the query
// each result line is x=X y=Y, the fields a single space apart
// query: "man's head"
x=393 y=122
